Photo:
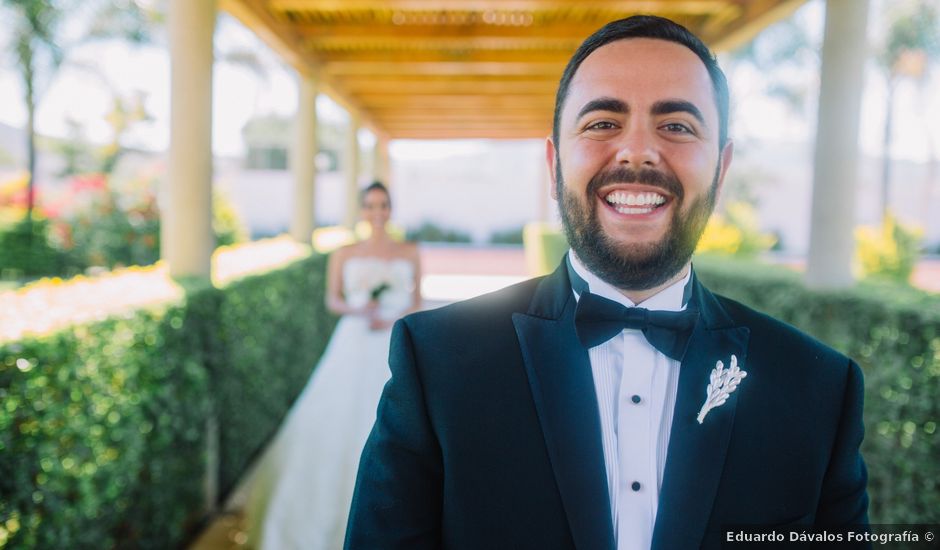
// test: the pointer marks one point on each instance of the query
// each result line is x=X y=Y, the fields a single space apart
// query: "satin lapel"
x=562 y=386
x=696 y=453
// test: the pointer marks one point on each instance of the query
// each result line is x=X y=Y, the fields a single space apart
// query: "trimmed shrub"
x=888 y=252
x=734 y=232
x=433 y=233
x=101 y=431
x=103 y=426
x=894 y=334
x=508 y=236
x=25 y=250
x=272 y=329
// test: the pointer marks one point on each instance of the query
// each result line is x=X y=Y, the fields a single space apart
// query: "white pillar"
x=186 y=217
x=381 y=165
x=836 y=161
x=543 y=188
x=303 y=161
x=351 y=170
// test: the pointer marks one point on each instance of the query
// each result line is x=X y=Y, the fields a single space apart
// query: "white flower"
x=721 y=384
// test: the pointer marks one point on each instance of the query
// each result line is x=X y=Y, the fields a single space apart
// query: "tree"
x=910 y=44
x=34 y=41
x=40 y=48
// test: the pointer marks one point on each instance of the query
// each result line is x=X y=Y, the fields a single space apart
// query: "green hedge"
x=272 y=329
x=894 y=334
x=103 y=427
x=94 y=420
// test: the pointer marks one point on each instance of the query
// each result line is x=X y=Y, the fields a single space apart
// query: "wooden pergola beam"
x=346 y=32
x=416 y=86
x=517 y=128
x=471 y=133
x=558 y=55
x=674 y=6
x=453 y=101
x=393 y=116
x=346 y=68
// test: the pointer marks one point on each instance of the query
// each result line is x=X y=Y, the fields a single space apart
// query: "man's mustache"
x=653 y=178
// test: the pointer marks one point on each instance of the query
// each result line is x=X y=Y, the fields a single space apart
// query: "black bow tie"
x=598 y=319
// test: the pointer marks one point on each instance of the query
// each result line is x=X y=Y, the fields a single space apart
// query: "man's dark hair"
x=375 y=185
x=646 y=26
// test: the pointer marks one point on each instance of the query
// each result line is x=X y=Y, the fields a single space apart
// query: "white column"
x=303 y=161
x=836 y=161
x=381 y=164
x=543 y=188
x=186 y=216
x=351 y=170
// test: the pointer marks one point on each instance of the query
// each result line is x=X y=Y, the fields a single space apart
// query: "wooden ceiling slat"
x=452 y=128
x=430 y=115
x=419 y=87
x=470 y=134
x=339 y=69
x=481 y=108
x=673 y=6
x=556 y=57
x=354 y=33
x=542 y=122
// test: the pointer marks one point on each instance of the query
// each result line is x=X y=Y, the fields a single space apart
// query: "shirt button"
x=635 y=486
x=636 y=399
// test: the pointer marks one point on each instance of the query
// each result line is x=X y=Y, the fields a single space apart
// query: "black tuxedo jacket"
x=488 y=433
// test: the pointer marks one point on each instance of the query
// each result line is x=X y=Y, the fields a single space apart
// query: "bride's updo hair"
x=375 y=185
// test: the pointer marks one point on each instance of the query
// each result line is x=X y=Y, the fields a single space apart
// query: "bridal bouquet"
x=377 y=290
x=387 y=284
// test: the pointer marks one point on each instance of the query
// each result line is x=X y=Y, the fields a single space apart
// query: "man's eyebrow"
x=677 y=106
x=604 y=104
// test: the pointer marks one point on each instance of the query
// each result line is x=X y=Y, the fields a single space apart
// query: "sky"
x=240 y=94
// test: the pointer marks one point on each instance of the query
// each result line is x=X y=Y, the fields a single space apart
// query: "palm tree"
x=911 y=42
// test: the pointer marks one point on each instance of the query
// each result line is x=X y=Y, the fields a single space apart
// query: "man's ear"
x=550 y=154
x=727 y=153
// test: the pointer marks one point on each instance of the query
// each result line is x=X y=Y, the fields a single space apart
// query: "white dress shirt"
x=636 y=392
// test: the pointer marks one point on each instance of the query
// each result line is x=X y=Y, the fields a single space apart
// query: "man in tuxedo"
x=616 y=403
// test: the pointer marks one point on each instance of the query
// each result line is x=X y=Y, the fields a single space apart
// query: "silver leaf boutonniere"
x=721 y=384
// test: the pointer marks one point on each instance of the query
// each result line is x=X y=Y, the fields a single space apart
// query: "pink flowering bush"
x=94 y=222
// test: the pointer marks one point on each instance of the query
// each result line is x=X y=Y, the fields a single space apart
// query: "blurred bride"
x=307 y=478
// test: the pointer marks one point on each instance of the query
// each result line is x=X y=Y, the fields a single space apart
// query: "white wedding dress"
x=308 y=475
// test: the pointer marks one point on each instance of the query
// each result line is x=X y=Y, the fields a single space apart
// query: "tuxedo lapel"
x=562 y=385
x=696 y=452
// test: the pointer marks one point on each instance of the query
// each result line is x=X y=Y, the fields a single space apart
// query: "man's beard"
x=633 y=266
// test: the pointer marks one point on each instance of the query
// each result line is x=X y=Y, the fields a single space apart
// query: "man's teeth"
x=644 y=202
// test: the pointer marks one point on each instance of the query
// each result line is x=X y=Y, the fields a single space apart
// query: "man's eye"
x=677 y=128
x=601 y=125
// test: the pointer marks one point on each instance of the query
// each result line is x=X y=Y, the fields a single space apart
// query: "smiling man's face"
x=638 y=165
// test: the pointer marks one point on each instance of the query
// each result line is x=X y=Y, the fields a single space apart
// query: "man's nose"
x=637 y=147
